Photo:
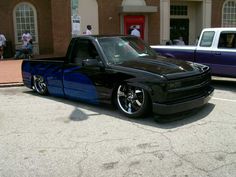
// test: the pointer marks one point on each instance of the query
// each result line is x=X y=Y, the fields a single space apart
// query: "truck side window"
x=207 y=38
x=84 y=49
x=234 y=42
x=227 y=40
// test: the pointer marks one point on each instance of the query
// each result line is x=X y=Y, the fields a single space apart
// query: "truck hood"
x=170 y=68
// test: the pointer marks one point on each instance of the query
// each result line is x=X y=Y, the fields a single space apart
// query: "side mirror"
x=92 y=63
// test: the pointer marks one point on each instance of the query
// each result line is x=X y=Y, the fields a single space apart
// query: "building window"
x=25 y=19
x=178 y=10
x=229 y=14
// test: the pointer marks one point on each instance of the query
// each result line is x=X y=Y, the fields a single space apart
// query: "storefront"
x=184 y=18
x=47 y=21
x=53 y=23
x=120 y=16
x=137 y=14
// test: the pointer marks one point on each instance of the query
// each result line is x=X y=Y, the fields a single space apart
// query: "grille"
x=190 y=88
x=191 y=81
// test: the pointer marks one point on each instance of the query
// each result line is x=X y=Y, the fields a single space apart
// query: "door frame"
x=186 y=40
x=145 y=34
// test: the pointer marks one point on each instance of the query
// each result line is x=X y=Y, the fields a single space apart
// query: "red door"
x=131 y=21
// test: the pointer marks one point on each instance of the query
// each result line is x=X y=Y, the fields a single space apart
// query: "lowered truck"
x=216 y=48
x=120 y=70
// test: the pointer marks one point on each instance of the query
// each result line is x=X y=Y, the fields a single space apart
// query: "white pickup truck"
x=216 y=48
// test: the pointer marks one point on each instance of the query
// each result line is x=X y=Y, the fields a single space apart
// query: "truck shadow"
x=83 y=111
x=228 y=84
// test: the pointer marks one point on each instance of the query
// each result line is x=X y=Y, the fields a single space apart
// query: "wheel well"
x=38 y=84
x=115 y=87
x=32 y=81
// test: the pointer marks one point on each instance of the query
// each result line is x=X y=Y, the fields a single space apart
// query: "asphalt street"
x=55 y=137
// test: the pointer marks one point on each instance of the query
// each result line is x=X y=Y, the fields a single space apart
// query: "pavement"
x=10 y=72
x=55 y=137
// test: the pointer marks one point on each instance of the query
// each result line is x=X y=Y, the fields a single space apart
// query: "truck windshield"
x=121 y=49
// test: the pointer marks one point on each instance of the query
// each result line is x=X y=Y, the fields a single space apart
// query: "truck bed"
x=59 y=59
x=179 y=52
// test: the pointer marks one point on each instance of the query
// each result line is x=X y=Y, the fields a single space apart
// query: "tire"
x=40 y=85
x=132 y=101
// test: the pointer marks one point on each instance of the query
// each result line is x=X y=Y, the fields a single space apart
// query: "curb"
x=12 y=84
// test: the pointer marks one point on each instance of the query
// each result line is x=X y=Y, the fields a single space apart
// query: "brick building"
x=47 y=20
x=51 y=21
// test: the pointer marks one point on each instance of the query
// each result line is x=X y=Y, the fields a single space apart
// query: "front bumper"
x=166 y=109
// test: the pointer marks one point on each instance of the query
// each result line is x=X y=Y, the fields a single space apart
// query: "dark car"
x=124 y=71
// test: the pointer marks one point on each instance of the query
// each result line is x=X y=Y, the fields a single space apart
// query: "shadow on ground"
x=228 y=84
x=164 y=122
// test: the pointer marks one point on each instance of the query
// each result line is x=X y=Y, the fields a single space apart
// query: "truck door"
x=218 y=51
x=203 y=53
x=82 y=82
x=224 y=55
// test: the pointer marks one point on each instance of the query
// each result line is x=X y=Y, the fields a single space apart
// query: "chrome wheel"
x=40 y=84
x=132 y=101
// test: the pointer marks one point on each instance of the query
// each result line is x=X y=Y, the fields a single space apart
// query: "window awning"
x=135 y=9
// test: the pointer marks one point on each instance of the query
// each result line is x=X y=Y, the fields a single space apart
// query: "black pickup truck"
x=121 y=70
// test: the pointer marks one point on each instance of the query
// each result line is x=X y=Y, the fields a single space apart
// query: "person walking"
x=2 y=44
x=88 y=31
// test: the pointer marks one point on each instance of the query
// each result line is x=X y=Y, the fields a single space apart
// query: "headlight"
x=174 y=85
x=199 y=66
x=194 y=65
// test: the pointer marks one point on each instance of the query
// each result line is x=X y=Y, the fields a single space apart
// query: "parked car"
x=216 y=48
x=121 y=70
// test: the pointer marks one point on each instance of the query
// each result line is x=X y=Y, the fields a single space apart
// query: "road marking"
x=222 y=99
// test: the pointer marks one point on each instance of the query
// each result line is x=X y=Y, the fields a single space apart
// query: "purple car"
x=216 y=48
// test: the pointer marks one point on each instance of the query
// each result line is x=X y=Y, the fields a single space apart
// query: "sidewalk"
x=10 y=72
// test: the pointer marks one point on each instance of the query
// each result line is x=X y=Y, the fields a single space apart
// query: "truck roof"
x=220 y=29
x=101 y=36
